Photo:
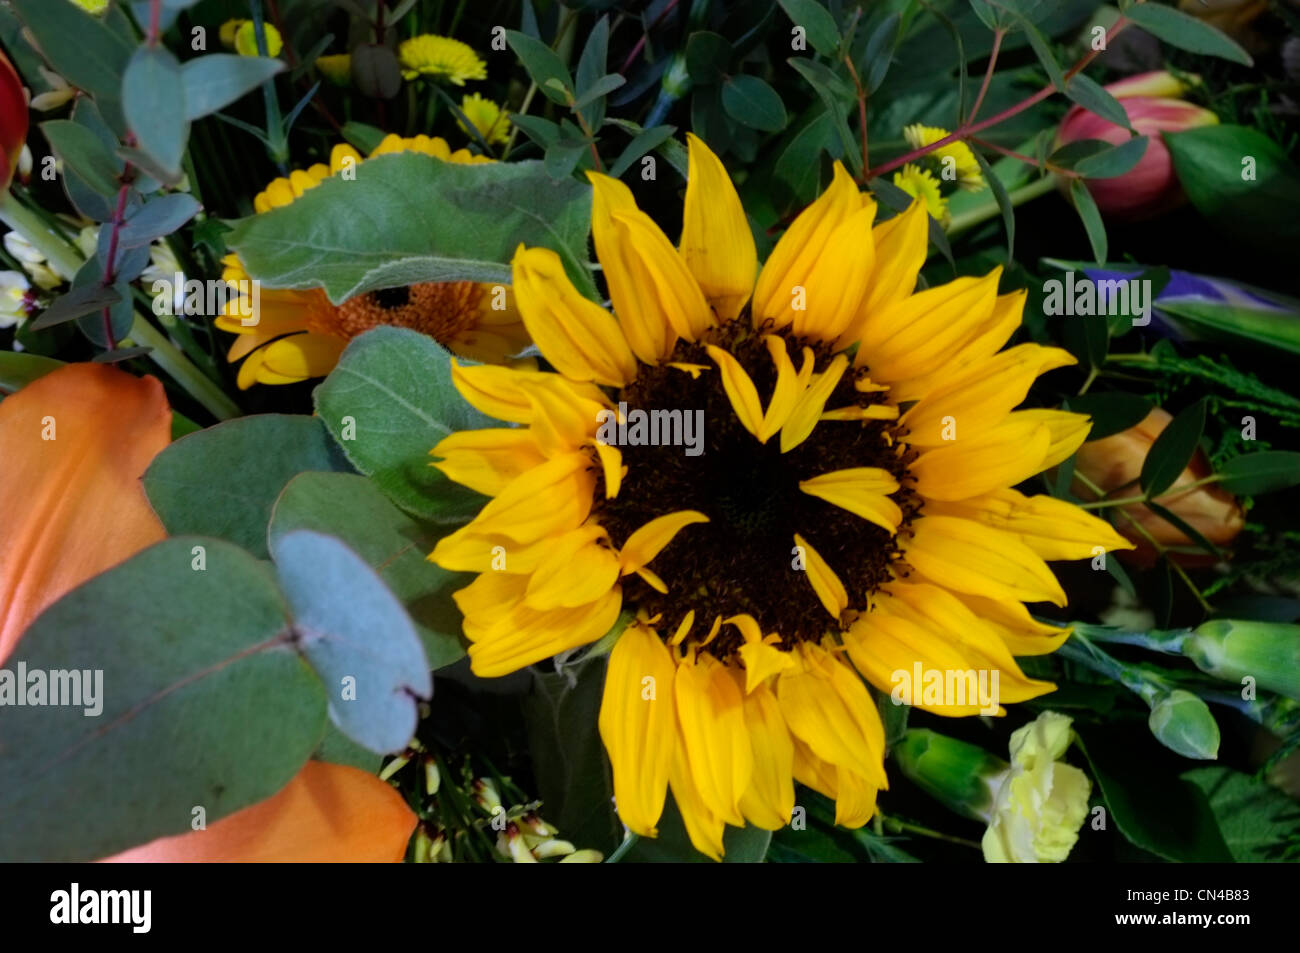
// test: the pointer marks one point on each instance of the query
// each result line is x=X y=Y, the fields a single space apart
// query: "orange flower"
x=75 y=443
x=329 y=813
x=1116 y=461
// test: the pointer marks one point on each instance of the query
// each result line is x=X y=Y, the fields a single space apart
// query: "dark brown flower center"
x=440 y=309
x=743 y=560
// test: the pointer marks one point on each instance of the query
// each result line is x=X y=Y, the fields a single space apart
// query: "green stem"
x=894 y=825
x=976 y=216
x=67 y=261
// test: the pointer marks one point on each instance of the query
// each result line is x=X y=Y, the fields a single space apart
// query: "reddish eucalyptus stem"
x=967 y=130
x=988 y=75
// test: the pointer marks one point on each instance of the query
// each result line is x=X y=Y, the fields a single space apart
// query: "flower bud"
x=1150 y=187
x=1268 y=652
x=953 y=772
x=13 y=120
x=1116 y=461
x=1183 y=723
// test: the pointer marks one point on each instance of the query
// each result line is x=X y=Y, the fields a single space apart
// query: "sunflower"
x=300 y=334
x=857 y=521
x=440 y=57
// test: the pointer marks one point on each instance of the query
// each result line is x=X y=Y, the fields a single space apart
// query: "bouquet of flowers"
x=584 y=431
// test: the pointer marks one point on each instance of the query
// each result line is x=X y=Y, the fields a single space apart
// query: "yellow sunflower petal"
x=740 y=390
x=1052 y=528
x=578 y=336
x=808 y=409
x=863 y=491
x=830 y=591
x=548 y=498
x=302 y=356
x=711 y=714
x=646 y=542
x=855 y=798
x=981 y=395
x=969 y=557
x=1017 y=629
x=638 y=724
x=488 y=460
x=916 y=336
x=503 y=392
x=768 y=802
x=611 y=464
x=1001 y=456
x=1068 y=432
x=523 y=635
x=579 y=569
x=717 y=244
x=703 y=826
x=827 y=707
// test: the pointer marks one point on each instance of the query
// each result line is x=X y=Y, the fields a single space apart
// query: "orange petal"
x=329 y=813
x=72 y=506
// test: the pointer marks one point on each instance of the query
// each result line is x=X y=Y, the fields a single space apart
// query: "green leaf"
x=1152 y=807
x=408 y=218
x=799 y=165
x=396 y=546
x=1005 y=206
x=18 y=369
x=156 y=218
x=364 y=137
x=817 y=22
x=87 y=299
x=218 y=79
x=80 y=48
x=389 y=401
x=747 y=845
x=879 y=52
x=1186 y=32
x=1043 y=51
x=753 y=103
x=544 y=67
x=357 y=637
x=1258 y=822
x=642 y=143
x=83 y=152
x=1093 y=97
x=1111 y=413
x=573 y=776
x=707 y=56
x=223 y=481
x=1091 y=218
x=1219 y=320
x=1114 y=161
x=591 y=71
x=153 y=98
x=1173 y=450
x=1267 y=471
x=1242 y=181
x=1184 y=527
x=203 y=705
x=599 y=89
x=834 y=95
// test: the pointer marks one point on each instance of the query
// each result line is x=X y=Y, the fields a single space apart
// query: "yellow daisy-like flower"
x=920 y=184
x=850 y=514
x=299 y=334
x=440 y=57
x=955 y=155
x=93 y=7
x=487 y=117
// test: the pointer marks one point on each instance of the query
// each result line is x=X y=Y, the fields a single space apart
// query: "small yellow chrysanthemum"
x=440 y=57
x=337 y=68
x=242 y=36
x=955 y=155
x=487 y=117
x=920 y=184
x=95 y=7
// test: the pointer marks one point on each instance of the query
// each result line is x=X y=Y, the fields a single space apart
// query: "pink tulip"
x=1150 y=187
